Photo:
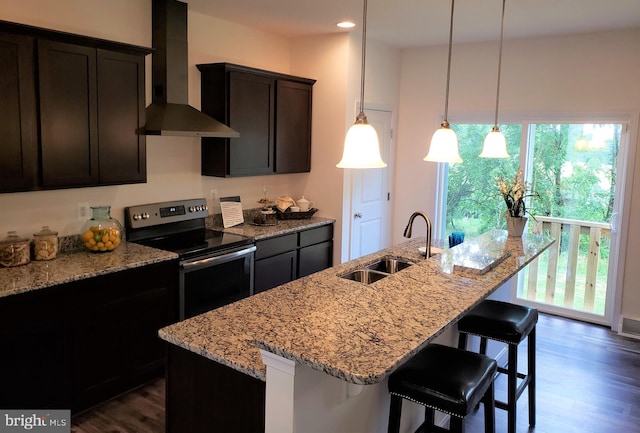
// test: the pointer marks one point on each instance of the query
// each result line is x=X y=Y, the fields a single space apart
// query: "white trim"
x=279 y=400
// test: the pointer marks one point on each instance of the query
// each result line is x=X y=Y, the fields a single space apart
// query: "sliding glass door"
x=574 y=169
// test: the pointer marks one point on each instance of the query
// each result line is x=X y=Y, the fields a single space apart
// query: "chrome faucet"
x=407 y=230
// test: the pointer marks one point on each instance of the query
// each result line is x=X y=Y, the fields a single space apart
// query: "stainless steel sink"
x=377 y=270
x=388 y=265
x=365 y=276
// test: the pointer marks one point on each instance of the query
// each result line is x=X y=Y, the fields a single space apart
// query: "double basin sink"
x=376 y=271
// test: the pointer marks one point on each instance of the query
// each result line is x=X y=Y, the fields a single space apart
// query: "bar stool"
x=446 y=379
x=507 y=323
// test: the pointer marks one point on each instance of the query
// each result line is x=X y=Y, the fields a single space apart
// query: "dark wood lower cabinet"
x=115 y=330
x=75 y=345
x=274 y=271
x=35 y=360
x=315 y=258
x=204 y=396
x=285 y=258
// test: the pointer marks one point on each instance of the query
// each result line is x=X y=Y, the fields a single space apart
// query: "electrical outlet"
x=83 y=211
x=213 y=194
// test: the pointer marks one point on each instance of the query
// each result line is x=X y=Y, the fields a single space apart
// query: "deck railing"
x=570 y=243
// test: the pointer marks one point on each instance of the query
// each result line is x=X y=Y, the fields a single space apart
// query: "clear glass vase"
x=101 y=233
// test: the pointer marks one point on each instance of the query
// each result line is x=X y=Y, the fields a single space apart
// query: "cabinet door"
x=19 y=149
x=293 y=127
x=251 y=108
x=68 y=114
x=315 y=258
x=274 y=271
x=116 y=318
x=121 y=117
x=35 y=361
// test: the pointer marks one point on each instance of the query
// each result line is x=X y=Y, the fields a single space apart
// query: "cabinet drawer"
x=317 y=235
x=271 y=247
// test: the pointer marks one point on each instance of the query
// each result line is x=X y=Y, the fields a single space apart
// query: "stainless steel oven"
x=209 y=282
x=216 y=268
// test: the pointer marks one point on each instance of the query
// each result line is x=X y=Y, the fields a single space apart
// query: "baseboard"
x=630 y=328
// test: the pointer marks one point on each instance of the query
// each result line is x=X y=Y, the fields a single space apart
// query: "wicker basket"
x=288 y=215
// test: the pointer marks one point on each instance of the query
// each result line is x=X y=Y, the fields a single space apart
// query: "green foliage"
x=474 y=204
x=571 y=181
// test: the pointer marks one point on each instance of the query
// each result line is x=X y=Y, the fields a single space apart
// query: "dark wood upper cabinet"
x=251 y=112
x=121 y=118
x=68 y=114
x=18 y=128
x=293 y=127
x=272 y=113
x=86 y=125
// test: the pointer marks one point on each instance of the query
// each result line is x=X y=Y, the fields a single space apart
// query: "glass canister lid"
x=45 y=232
x=12 y=237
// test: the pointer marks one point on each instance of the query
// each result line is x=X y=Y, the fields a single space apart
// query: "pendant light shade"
x=444 y=143
x=361 y=146
x=495 y=144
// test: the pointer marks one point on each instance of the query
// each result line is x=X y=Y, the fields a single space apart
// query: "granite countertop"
x=77 y=265
x=356 y=332
x=282 y=227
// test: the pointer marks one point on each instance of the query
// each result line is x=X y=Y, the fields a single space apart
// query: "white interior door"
x=371 y=195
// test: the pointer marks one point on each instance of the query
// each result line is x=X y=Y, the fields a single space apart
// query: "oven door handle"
x=189 y=266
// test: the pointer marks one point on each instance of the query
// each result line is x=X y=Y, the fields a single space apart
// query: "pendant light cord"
x=495 y=123
x=446 y=98
x=364 y=51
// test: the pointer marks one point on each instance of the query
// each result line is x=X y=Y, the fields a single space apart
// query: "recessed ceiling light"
x=346 y=24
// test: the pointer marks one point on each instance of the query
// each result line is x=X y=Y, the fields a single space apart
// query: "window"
x=473 y=205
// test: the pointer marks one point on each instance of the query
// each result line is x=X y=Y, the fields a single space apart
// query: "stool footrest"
x=521 y=387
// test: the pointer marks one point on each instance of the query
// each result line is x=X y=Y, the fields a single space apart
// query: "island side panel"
x=204 y=396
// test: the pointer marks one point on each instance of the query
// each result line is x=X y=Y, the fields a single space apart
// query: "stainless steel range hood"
x=170 y=112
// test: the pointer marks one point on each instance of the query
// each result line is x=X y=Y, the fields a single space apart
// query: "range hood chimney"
x=170 y=112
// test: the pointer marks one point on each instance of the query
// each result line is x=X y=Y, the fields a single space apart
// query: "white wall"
x=591 y=74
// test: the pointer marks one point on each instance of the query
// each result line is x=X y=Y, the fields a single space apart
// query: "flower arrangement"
x=514 y=193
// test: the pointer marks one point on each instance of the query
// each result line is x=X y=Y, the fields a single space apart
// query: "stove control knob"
x=198 y=208
x=145 y=216
x=191 y=209
x=136 y=217
x=205 y=207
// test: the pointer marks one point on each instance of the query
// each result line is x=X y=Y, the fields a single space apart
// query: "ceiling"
x=412 y=23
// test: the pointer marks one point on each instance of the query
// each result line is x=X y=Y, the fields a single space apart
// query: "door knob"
x=357 y=215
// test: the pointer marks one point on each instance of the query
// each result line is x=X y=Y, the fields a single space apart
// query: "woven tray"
x=288 y=215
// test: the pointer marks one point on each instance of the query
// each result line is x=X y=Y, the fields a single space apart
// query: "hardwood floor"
x=139 y=411
x=588 y=382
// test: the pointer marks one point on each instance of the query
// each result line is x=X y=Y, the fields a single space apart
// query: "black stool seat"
x=499 y=321
x=446 y=379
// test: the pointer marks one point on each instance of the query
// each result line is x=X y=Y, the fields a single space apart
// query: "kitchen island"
x=313 y=355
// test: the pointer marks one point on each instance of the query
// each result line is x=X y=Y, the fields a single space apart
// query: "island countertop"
x=353 y=331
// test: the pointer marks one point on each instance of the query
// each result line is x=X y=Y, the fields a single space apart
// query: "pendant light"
x=444 y=143
x=361 y=146
x=495 y=144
